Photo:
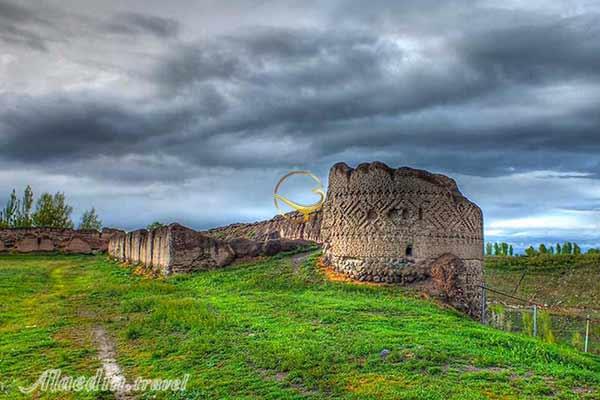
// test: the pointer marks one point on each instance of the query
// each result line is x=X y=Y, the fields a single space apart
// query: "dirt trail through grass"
x=107 y=355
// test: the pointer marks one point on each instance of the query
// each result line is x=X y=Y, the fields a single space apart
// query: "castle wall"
x=378 y=224
x=177 y=249
x=290 y=227
x=28 y=240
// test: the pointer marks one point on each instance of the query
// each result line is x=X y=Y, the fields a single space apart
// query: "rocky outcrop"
x=28 y=240
x=454 y=280
x=178 y=249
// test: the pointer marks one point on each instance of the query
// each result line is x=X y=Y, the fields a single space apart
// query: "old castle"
x=401 y=226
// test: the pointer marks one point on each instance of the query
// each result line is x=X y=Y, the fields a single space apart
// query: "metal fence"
x=550 y=325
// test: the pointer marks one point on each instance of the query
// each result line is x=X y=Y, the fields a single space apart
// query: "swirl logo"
x=304 y=209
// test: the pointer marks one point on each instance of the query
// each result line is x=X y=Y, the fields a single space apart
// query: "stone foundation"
x=29 y=240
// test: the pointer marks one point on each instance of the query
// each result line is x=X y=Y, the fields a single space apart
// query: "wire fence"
x=550 y=325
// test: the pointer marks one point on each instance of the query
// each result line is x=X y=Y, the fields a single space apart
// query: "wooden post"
x=587 y=334
x=483 y=305
x=535 y=320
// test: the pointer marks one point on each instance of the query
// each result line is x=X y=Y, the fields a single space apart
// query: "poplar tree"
x=488 y=249
x=90 y=220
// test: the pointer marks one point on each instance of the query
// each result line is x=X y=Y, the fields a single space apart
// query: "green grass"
x=269 y=329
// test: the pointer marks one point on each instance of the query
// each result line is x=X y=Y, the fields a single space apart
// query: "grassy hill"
x=271 y=329
x=569 y=282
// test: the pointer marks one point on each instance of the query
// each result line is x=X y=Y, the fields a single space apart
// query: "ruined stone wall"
x=290 y=227
x=177 y=249
x=28 y=240
x=378 y=224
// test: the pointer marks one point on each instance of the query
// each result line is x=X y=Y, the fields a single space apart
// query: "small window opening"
x=404 y=213
x=409 y=251
x=420 y=213
x=39 y=240
x=371 y=214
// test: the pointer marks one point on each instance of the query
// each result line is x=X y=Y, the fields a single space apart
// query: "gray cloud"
x=131 y=23
x=15 y=22
x=463 y=88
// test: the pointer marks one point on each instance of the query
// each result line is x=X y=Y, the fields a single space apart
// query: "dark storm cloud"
x=135 y=23
x=12 y=34
x=565 y=49
x=461 y=87
x=71 y=127
x=17 y=13
x=329 y=91
x=15 y=23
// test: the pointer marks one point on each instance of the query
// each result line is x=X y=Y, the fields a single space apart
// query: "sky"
x=190 y=110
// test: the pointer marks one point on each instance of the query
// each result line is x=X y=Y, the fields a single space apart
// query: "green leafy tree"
x=568 y=248
x=53 y=211
x=24 y=219
x=155 y=225
x=488 y=249
x=593 y=251
x=496 y=249
x=10 y=213
x=530 y=251
x=576 y=249
x=558 y=249
x=551 y=250
x=511 y=251
x=543 y=249
x=90 y=220
x=504 y=249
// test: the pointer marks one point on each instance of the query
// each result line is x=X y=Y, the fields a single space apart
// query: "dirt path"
x=298 y=259
x=107 y=356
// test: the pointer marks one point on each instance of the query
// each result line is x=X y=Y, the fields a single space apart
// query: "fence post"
x=535 y=320
x=587 y=334
x=483 y=305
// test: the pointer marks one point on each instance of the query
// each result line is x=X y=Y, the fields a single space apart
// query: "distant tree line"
x=51 y=211
x=499 y=249
x=506 y=250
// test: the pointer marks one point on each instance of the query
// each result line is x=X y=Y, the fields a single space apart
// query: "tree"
x=496 y=249
x=530 y=251
x=90 y=220
x=567 y=248
x=511 y=251
x=576 y=249
x=24 y=219
x=504 y=249
x=558 y=249
x=154 y=225
x=551 y=250
x=488 y=249
x=543 y=249
x=53 y=211
x=9 y=215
